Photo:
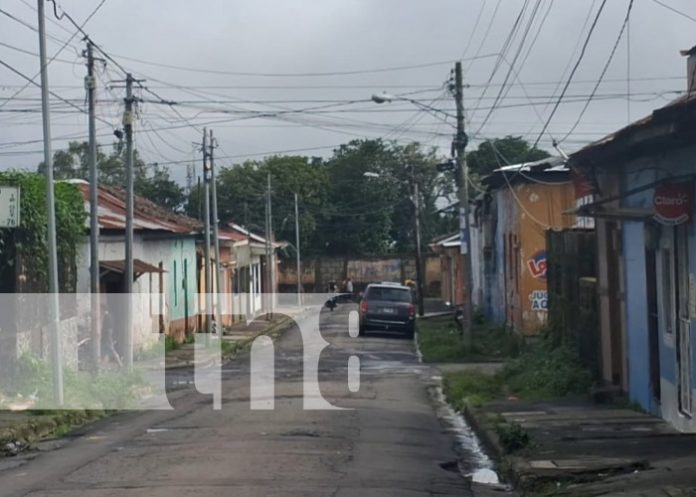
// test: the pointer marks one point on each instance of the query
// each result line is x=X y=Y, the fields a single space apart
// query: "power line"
x=302 y=74
x=604 y=70
x=473 y=30
x=511 y=65
x=669 y=7
x=31 y=81
x=69 y=40
x=572 y=73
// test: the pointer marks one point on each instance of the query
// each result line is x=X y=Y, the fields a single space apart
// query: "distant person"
x=349 y=286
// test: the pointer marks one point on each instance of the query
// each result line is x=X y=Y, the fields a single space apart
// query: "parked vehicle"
x=387 y=306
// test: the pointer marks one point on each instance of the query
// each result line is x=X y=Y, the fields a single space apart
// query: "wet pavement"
x=393 y=436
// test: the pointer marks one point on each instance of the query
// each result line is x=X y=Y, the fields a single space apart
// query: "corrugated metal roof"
x=148 y=216
x=139 y=267
x=673 y=120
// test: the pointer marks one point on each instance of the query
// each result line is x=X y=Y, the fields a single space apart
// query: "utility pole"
x=54 y=308
x=206 y=223
x=419 y=256
x=459 y=146
x=269 y=249
x=297 y=249
x=128 y=120
x=91 y=86
x=216 y=238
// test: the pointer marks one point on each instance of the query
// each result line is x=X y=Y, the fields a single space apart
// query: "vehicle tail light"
x=363 y=306
x=411 y=310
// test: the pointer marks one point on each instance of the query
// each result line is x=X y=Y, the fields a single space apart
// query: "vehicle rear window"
x=389 y=294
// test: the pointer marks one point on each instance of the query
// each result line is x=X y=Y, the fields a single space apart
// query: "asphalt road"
x=387 y=442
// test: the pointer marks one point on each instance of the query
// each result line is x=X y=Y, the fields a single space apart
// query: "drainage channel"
x=474 y=463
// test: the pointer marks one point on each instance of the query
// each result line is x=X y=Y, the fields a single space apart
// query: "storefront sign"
x=9 y=206
x=673 y=202
x=539 y=300
x=537 y=265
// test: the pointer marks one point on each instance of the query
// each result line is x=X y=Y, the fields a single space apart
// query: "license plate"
x=388 y=310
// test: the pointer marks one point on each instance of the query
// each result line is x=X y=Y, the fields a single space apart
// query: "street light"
x=459 y=165
x=415 y=199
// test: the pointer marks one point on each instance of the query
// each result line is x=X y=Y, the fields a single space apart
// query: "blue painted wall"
x=637 y=316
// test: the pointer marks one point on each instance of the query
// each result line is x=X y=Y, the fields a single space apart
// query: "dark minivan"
x=388 y=306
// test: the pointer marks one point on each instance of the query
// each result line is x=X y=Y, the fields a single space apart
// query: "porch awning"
x=598 y=211
x=119 y=266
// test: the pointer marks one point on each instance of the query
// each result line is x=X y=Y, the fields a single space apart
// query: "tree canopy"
x=492 y=154
x=150 y=181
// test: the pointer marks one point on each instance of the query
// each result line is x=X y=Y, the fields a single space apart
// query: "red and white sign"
x=673 y=202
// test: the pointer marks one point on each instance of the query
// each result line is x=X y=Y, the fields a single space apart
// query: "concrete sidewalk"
x=577 y=448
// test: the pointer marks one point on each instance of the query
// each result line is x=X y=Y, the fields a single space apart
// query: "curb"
x=40 y=426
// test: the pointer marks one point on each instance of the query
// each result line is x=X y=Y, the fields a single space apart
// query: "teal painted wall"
x=181 y=280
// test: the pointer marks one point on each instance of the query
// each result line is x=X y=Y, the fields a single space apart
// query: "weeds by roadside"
x=542 y=371
x=440 y=340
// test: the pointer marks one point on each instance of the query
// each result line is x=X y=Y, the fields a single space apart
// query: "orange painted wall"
x=537 y=207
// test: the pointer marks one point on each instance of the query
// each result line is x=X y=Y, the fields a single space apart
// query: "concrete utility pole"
x=54 y=307
x=419 y=256
x=459 y=146
x=206 y=223
x=91 y=86
x=297 y=249
x=128 y=120
x=216 y=239
x=269 y=250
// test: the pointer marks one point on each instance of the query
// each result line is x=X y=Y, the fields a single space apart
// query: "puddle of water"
x=481 y=467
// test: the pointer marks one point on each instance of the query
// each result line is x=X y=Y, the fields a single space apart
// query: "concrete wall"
x=317 y=273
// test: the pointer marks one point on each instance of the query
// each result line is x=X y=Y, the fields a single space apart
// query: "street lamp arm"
x=388 y=98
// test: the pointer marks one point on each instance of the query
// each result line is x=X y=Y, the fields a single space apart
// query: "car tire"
x=411 y=333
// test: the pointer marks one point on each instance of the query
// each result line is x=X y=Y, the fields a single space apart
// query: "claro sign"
x=673 y=202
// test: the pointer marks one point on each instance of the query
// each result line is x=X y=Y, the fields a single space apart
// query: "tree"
x=156 y=184
x=242 y=194
x=492 y=154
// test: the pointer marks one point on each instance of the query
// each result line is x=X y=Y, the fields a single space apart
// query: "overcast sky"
x=224 y=62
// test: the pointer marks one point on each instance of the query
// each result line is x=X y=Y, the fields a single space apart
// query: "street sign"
x=9 y=206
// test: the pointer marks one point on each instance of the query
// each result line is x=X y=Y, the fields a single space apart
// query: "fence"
x=572 y=291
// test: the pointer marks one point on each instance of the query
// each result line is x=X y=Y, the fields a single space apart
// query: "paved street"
x=389 y=443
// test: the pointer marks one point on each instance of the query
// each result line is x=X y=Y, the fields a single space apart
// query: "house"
x=249 y=272
x=508 y=226
x=643 y=179
x=451 y=269
x=164 y=252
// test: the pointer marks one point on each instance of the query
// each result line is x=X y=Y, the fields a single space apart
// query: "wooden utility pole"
x=128 y=119
x=206 y=228
x=216 y=238
x=459 y=146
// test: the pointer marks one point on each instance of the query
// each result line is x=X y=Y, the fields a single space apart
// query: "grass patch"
x=471 y=388
x=546 y=371
x=440 y=340
x=542 y=371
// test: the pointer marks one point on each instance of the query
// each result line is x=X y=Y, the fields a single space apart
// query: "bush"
x=546 y=371
x=512 y=437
